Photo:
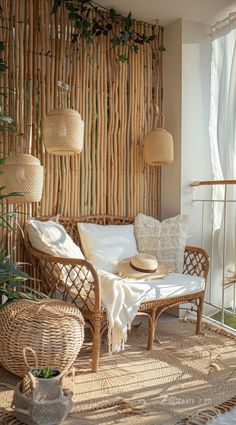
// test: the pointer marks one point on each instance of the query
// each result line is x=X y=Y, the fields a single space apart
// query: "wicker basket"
x=53 y=329
x=47 y=403
x=36 y=412
x=63 y=132
x=24 y=174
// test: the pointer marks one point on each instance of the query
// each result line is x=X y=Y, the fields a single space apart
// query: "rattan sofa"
x=87 y=295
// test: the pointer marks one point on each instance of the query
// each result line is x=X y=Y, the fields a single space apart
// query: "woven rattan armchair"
x=77 y=281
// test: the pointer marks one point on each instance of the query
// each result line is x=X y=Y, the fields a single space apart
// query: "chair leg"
x=199 y=315
x=151 y=329
x=96 y=345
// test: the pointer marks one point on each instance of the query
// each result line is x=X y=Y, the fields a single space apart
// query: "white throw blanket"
x=121 y=298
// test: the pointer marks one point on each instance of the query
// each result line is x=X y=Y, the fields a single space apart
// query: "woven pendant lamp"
x=23 y=174
x=158 y=145
x=63 y=132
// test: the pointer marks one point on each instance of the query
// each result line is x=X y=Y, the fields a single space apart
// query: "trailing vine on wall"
x=103 y=22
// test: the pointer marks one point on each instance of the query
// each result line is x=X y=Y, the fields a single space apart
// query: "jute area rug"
x=184 y=373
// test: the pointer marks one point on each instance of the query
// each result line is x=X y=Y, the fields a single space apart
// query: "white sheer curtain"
x=222 y=130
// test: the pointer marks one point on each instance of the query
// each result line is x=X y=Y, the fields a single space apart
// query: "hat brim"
x=126 y=271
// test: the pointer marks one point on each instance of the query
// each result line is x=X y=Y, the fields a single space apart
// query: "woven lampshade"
x=158 y=147
x=63 y=132
x=24 y=174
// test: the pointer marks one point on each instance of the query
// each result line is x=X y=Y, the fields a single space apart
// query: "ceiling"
x=167 y=11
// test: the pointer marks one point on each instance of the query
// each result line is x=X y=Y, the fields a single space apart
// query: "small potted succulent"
x=45 y=372
x=40 y=399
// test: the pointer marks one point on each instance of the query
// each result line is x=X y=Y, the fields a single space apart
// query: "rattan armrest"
x=71 y=279
x=196 y=261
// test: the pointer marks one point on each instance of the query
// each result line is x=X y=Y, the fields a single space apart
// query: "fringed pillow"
x=166 y=240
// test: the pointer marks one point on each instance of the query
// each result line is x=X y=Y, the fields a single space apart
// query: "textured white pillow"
x=166 y=240
x=51 y=238
x=106 y=246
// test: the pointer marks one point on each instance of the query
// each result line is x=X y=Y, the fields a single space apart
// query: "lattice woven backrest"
x=196 y=261
x=72 y=283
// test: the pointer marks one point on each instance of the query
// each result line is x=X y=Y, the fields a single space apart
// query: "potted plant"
x=45 y=372
x=12 y=278
x=40 y=399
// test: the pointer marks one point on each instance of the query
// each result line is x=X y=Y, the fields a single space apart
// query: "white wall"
x=172 y=82
x=186 y=73
x=195 y=152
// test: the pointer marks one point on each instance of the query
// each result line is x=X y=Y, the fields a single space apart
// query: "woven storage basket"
x=63 y=132
x=40 y=389
x=53 y=329
x=45 y=402
x=36 y=412
x=158 y=147
x=24 y=174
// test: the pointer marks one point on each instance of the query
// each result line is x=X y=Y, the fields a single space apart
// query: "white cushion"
x=51 y=238
x=122 y=298
x=173 y=285
x=106 y=246
x=166 y=240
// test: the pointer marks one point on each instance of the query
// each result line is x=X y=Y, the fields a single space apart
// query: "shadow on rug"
x=184 y=374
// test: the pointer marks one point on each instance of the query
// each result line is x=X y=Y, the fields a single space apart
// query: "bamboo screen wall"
x=113 y=98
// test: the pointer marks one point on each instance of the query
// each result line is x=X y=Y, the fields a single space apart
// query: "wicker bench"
x=87 y=295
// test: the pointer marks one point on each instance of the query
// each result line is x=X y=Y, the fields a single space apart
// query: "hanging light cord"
x=158 y=116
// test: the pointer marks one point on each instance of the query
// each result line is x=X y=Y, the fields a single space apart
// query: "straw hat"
x=143 y=266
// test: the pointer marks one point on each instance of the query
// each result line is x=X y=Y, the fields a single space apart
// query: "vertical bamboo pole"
x=114 y=100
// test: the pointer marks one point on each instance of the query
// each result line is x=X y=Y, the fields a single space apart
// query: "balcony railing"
x=219 y=198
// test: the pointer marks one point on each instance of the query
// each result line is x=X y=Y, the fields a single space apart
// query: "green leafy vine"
x=88 y=27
